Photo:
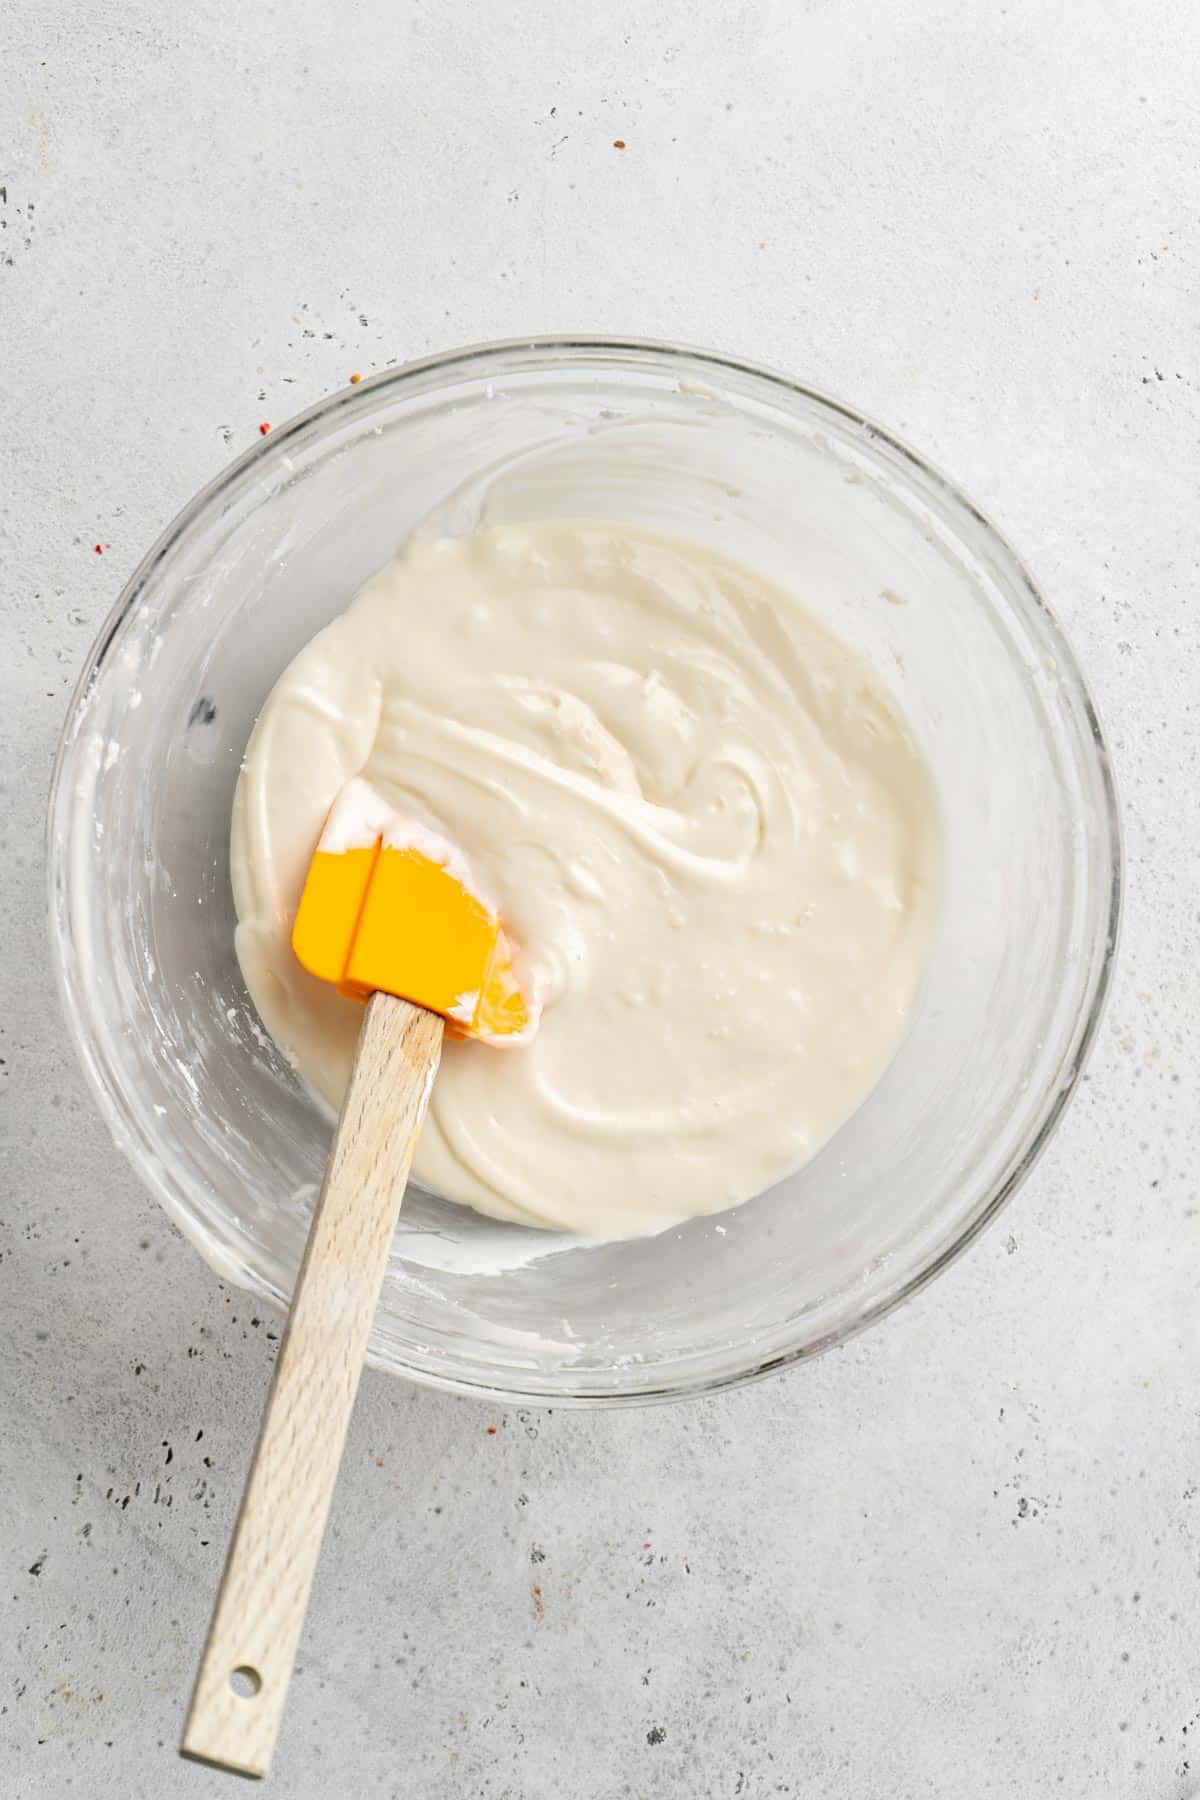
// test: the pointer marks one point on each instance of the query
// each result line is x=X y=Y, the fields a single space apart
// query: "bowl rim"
x=1059 y=1087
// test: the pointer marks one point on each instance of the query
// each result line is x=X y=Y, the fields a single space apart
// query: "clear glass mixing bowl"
x=900 y=565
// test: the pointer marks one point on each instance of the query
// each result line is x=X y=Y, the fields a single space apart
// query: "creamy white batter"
x=708 y=831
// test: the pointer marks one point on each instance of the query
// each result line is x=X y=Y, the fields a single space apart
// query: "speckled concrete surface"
x=958 y=1558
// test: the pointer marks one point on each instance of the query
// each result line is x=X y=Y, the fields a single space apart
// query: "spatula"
x=391 y=914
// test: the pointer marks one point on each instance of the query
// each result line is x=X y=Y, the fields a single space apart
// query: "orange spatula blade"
x=389 y=916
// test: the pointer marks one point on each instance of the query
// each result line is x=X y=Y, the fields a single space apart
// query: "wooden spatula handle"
x=264 y=1591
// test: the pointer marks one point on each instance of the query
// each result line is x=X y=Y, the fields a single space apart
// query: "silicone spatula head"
x=389 y=906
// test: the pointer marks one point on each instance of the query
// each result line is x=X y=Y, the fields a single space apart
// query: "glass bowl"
x=900 y=565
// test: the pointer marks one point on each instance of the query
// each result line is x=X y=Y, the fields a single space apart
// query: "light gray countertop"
x=957 y=1558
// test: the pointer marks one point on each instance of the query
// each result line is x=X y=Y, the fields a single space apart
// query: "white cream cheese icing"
x=706 y=828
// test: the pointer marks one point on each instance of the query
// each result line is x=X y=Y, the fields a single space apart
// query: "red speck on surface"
x=618 y=143
x=263 y=429
x=491 y=1431
x=99 y=549
x=647 y=1545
